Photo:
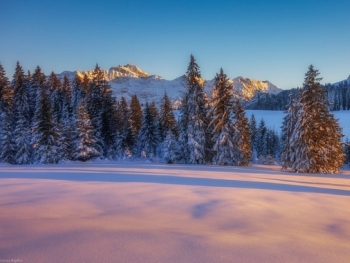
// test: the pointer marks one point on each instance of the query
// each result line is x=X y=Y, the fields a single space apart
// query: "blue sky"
x=266 y=40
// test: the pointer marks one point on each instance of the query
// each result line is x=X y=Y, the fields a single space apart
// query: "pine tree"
x=45 y=139
x=135 y=116
x=4 y=82
x=260 y=142
x=148 y=137
x=108 y=122
x=78 y=92
x=95 y=105
x=7 y=145
x=169 y=148
x=241 y=136
x=288 y=127
x=196 y=108
x=85 y=146
x=222 y=126
x=38 y=80
x=316 y=137
x=167 y=118
x=253 y=135
x=127 y=140
x=22 y=130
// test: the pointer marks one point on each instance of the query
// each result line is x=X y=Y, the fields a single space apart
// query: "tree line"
x=45 y=120
x=338 y=97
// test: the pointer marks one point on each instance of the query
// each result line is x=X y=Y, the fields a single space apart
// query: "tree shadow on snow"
x=60 y=173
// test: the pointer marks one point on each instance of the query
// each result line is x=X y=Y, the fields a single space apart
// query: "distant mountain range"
x=129 y=79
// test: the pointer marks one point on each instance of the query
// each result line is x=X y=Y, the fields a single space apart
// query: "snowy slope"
x=129 y=79
x=134 y=212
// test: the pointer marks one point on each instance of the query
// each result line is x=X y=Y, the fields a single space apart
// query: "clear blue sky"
x=266 y=40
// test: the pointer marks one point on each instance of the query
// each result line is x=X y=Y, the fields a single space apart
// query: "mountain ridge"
x=126 y=80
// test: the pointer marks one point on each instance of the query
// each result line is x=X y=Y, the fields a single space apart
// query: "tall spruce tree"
x=195 y=115
x=4 y=82
x=85 y=144
x=316 y=137
x=135 y=116
x=167 y=118
x=108 y=122
x=7 y=145
x=288 y=128
x=127 y=140
x=253 y=135
x=222 y=125
x=149 y=134
x=95 y=105
x=241 y=136
x=45 y=139
x=22 y=129
x=260 y=142
x=78 y=92
x=38 y=80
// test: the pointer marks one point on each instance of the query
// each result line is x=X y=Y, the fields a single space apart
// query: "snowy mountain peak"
x=129 y=70
x=129 y=79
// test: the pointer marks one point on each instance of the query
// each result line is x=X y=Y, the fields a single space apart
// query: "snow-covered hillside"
x=129 y=79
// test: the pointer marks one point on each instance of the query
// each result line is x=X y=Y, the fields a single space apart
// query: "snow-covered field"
x=143 y=212
x=274 y=119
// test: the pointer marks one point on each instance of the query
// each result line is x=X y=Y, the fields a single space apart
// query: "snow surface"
x=144 y=212
x=274 y=119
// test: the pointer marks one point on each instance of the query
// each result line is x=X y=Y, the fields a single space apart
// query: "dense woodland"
x=338 y=96
x=44 y=120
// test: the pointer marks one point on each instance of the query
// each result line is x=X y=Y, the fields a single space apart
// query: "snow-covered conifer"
x=288 y=127
x=135 y=116
x=149 y=134
x=317 y=135
x=85 y=145
x=241 y=136
x=222 y=125
x=45 y=138
x=196 y=103
x=22 y=129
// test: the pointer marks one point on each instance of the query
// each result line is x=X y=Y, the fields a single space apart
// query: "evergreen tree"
x=38 y=80
x=347 y=151
x=253 y=135
x=316 y=137
x=127 y=140
x=85 y=145
x=135 y=116
x=108 y=122
x=169 y=148
x=78 y=92
x=95 y=105
x=260 y=142
x=22 y=130
x=288 y=128
x=148 y=137
x=4 y=82
x=195 y=115
x=45 y=138
x=222 y=126
x=7 y=150
x=167 y=118
x=241 y=136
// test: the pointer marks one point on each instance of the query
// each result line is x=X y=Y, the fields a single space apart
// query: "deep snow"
x=144 y=212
